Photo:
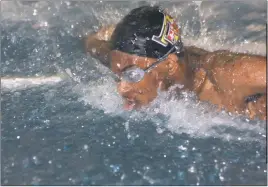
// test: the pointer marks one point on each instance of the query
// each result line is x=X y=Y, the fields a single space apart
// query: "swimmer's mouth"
x=130 y=104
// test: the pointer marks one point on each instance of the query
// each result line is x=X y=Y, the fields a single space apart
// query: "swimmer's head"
x=146 y=31
x=139 y=39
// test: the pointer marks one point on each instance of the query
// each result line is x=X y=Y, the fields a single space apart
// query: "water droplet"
x=34 y=12
x=191 y=169
x=181 y=147
x=36 y=160
x=18 y=137
x=115 y=168
x=159 y=130
x=85 y=147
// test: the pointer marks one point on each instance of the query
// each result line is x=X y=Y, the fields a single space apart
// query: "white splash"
x=20 y=83
x=177 y=115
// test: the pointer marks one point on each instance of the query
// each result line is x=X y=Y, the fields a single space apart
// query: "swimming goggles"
x=135 y=74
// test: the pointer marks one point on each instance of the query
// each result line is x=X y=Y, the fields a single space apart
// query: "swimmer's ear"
x=172 y=64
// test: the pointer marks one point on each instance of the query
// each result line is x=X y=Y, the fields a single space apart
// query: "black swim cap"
x=146 y=31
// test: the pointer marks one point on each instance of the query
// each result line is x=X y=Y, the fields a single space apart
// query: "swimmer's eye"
x=133 y=74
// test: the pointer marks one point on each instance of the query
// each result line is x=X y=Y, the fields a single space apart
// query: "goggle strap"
x=163 y=57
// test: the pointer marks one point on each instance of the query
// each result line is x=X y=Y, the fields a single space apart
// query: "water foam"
x=183 y=115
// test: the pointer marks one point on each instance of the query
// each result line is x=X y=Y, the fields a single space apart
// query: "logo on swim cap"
x=169 y=32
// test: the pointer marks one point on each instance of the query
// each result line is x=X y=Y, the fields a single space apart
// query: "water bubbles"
x=85 y=147
x=160 y=130
x=184 y=155
x=221 y=177
x=18 y=137
x=59 y=166
x=36 y=160
x=50 y=161
x=192 y=169
x=58 y=55
x=115 y=168
x=146 y=168
x=122 y=177
x=181 y=147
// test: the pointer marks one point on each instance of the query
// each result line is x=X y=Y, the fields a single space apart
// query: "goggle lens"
x=133 y=74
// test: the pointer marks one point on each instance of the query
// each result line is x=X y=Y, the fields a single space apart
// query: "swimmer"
x=146 y=53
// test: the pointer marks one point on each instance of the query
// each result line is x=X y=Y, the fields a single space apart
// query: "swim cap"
x=146 y=31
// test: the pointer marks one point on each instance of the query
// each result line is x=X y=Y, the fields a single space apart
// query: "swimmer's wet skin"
x=235 y=82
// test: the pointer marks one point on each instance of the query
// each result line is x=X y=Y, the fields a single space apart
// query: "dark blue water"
x=76 y=133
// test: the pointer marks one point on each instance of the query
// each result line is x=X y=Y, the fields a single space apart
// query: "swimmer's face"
x=141 y=93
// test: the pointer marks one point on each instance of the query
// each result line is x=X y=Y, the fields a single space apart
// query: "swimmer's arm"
x=98 y=44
